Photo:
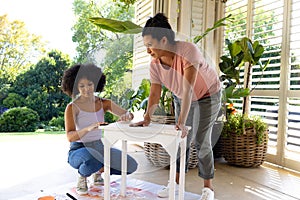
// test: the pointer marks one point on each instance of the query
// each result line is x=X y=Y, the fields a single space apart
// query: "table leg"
x=172 y=152
x=106 y=169
x=182 y=169
x=124 y=168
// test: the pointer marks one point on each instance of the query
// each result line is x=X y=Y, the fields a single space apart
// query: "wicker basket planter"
x=157 y=155
x=243 y=150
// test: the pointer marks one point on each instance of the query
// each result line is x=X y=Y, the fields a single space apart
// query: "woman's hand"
x=93 y=126
x=183 y=128
x=145 y=122
x=128 y=116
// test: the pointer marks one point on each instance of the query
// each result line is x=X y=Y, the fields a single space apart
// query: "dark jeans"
x=88 y=158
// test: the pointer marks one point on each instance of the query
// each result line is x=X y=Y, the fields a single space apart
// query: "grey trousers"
x=201 y=118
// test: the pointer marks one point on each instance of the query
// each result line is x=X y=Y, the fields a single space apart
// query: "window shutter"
x=141 y=60
x=293 y=119
x=197 y=18
x=276 y=98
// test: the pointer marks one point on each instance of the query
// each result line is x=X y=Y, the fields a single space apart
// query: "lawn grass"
x=38 y=132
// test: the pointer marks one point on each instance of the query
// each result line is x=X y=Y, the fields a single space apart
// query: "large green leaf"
x=116 y=26
x=238 y=60
x=259 y=50
x=240 y=92
x=216 y=25
x=235 y=48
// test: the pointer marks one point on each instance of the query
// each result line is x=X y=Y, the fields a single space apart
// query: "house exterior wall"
x=143 y=9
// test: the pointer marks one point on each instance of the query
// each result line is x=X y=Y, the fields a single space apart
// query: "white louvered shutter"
x=141 y=60
x=276 y=98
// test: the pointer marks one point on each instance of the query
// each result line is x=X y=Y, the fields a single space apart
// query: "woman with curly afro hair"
x=82 y=117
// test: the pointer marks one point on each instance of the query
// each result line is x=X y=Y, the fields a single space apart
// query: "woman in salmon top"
x=82 y=118
x=181 y=67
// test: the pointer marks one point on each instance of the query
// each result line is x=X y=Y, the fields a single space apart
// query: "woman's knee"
x=88 y=168
x=116 y=161
x=131 y=165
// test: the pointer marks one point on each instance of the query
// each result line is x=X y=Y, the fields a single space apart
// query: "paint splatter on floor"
x=97 y=192
x=136 y=190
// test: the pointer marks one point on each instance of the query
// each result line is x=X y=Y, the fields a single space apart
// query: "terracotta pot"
x=46 y=198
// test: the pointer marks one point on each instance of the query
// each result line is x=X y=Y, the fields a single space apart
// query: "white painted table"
x=166 y=135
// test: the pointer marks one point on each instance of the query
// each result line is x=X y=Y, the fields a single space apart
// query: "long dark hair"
x=159 y=27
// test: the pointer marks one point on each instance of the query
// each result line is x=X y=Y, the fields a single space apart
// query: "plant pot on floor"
x=244 y=141
x=243 y=150
x=159 y=157
x=156 y=153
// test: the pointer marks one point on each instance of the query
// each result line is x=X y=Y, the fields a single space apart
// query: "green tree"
x=118 y=61
x=14 y=100
x=87 y=36
x=18 y=49
x=40 y=86
x=124 y=3
x=113 y=51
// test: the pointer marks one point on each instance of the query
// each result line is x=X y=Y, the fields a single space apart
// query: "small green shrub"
x=20 y=119
x=57 y=123
x=13 y=100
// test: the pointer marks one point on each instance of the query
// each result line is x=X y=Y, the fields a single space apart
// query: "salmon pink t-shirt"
x=187 y=54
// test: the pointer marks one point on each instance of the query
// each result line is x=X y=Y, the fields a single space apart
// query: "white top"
x=84 y=119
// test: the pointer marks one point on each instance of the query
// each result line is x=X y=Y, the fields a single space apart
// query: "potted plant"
x=164 y=113
x=165 y=109
x=244 y=137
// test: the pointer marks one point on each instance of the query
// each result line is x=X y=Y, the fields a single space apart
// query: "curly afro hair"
x=76 y=72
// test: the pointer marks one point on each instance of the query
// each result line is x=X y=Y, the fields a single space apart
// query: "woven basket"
x=157 y=155
x=163 y=119
x=243 y=150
